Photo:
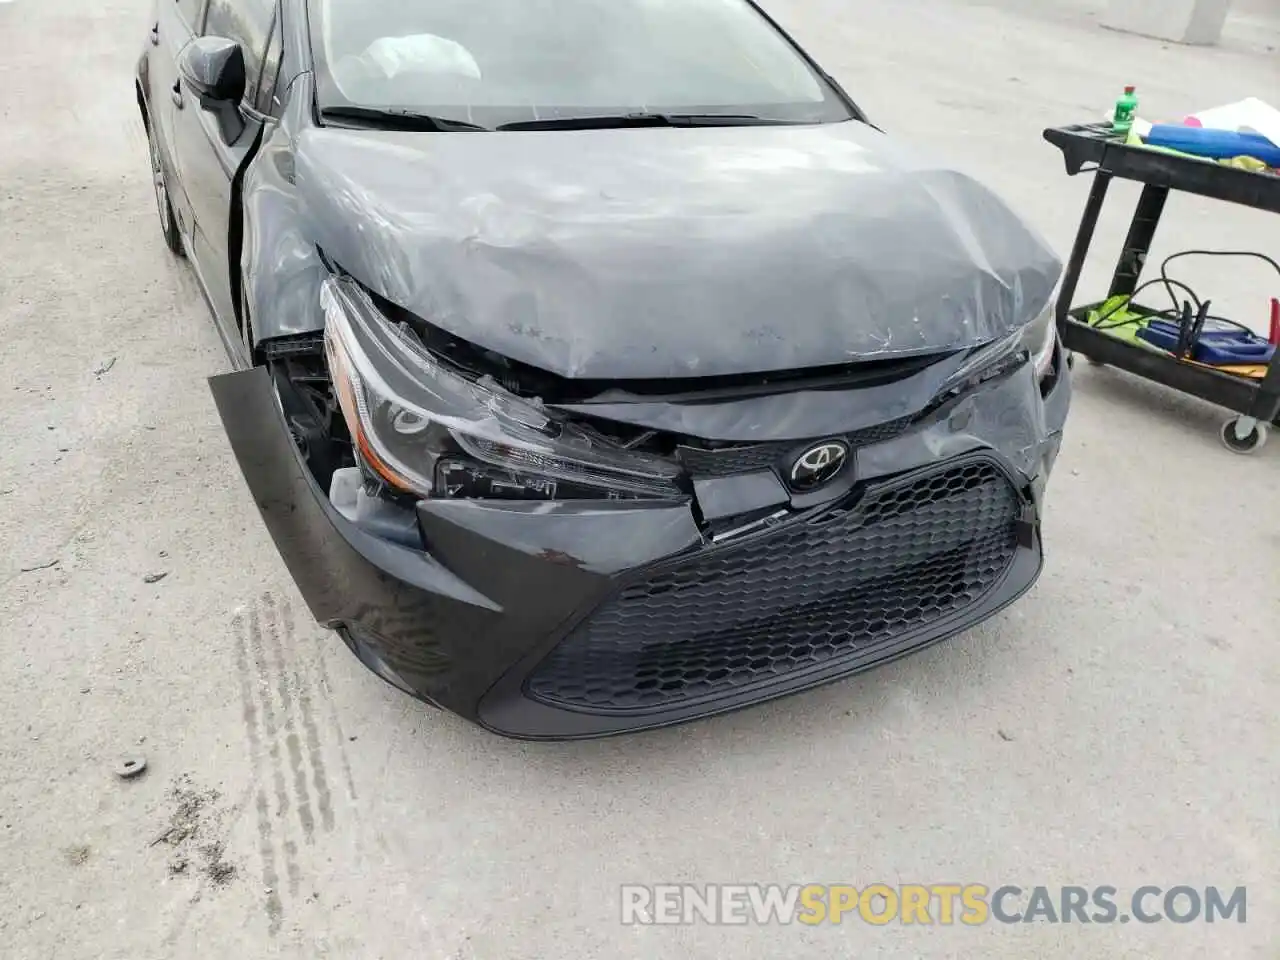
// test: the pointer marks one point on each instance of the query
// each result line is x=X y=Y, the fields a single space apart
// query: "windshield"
x=491 y=62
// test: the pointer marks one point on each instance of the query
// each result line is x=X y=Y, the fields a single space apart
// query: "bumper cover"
x=517 y=616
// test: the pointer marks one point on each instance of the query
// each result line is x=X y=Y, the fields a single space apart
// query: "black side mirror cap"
x=214 y=69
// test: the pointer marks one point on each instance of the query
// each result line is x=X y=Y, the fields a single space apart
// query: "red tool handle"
x=1275 y=322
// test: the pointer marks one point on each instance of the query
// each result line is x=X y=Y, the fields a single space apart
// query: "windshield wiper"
x=396 y=118
x=645 y=120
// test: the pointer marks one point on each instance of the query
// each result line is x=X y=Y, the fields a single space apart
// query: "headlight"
x=427 y=430
x=1036 y=340
x=1039 y=339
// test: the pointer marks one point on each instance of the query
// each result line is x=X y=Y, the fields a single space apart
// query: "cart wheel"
x=1251 y=442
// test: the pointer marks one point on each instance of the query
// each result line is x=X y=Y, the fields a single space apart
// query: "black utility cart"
x=1092 y=148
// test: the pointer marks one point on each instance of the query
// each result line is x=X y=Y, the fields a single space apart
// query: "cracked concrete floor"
x=1118 y=727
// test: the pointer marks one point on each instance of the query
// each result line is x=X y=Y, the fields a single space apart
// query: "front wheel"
x=160 y=181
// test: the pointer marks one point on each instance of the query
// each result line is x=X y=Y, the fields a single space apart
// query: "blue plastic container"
x=1231 y=347
x=1214 y=144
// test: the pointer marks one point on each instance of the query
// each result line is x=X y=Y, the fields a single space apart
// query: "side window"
x=268 y=102
x=190 y=10
x=247 y=22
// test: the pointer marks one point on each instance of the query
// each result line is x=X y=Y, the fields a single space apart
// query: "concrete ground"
x=1117 y=727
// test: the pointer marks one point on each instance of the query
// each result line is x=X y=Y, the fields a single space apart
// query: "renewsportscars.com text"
x=943 y=904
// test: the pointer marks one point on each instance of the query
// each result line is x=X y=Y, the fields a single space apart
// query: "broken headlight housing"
x=425 y=429
x=1037 y=340
x=1040 y=338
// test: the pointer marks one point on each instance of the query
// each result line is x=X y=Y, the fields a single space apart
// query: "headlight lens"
x=427 y=430
x=1037 y=340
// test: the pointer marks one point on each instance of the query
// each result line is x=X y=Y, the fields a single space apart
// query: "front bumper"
x=565 y=620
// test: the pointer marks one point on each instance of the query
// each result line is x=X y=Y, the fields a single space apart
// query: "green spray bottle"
x=1126 y=110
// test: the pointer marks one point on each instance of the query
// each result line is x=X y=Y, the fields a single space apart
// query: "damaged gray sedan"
x=599 y=365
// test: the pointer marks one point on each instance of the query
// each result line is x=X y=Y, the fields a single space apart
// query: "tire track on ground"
x=270 y=719
x=276 y=689
x=319 y=779
x=275 y=670
x=292 y=742
x=253 y=731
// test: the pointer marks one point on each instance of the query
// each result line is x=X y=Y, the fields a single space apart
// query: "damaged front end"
x=555 y=557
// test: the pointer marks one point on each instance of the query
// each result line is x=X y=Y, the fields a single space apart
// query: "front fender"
x=280 y=267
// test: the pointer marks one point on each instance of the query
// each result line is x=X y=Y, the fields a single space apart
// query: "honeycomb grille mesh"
x=730 y=461
x=879 y=433
x=854 y=584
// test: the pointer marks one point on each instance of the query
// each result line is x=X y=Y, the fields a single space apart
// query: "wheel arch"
x=143 y=107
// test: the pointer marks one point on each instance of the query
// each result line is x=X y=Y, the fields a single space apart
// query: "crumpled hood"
x=656 y=252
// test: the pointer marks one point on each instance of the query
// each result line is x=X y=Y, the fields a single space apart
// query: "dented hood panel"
x=652 y=253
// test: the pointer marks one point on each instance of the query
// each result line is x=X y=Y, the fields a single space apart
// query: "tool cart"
x=1174 y=347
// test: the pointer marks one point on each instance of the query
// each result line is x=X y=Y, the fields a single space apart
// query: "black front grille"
x=745 y=458
x=879 y=433
x=731 y=461
x=853 y=584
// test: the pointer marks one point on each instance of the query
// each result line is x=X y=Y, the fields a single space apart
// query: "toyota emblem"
x=818 y=465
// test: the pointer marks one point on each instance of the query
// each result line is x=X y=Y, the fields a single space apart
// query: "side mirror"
x=214 y=68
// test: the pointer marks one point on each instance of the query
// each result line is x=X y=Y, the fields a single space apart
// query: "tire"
x=160 y=182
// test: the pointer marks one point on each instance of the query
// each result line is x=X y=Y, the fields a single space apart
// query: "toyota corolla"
x=598 y=364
